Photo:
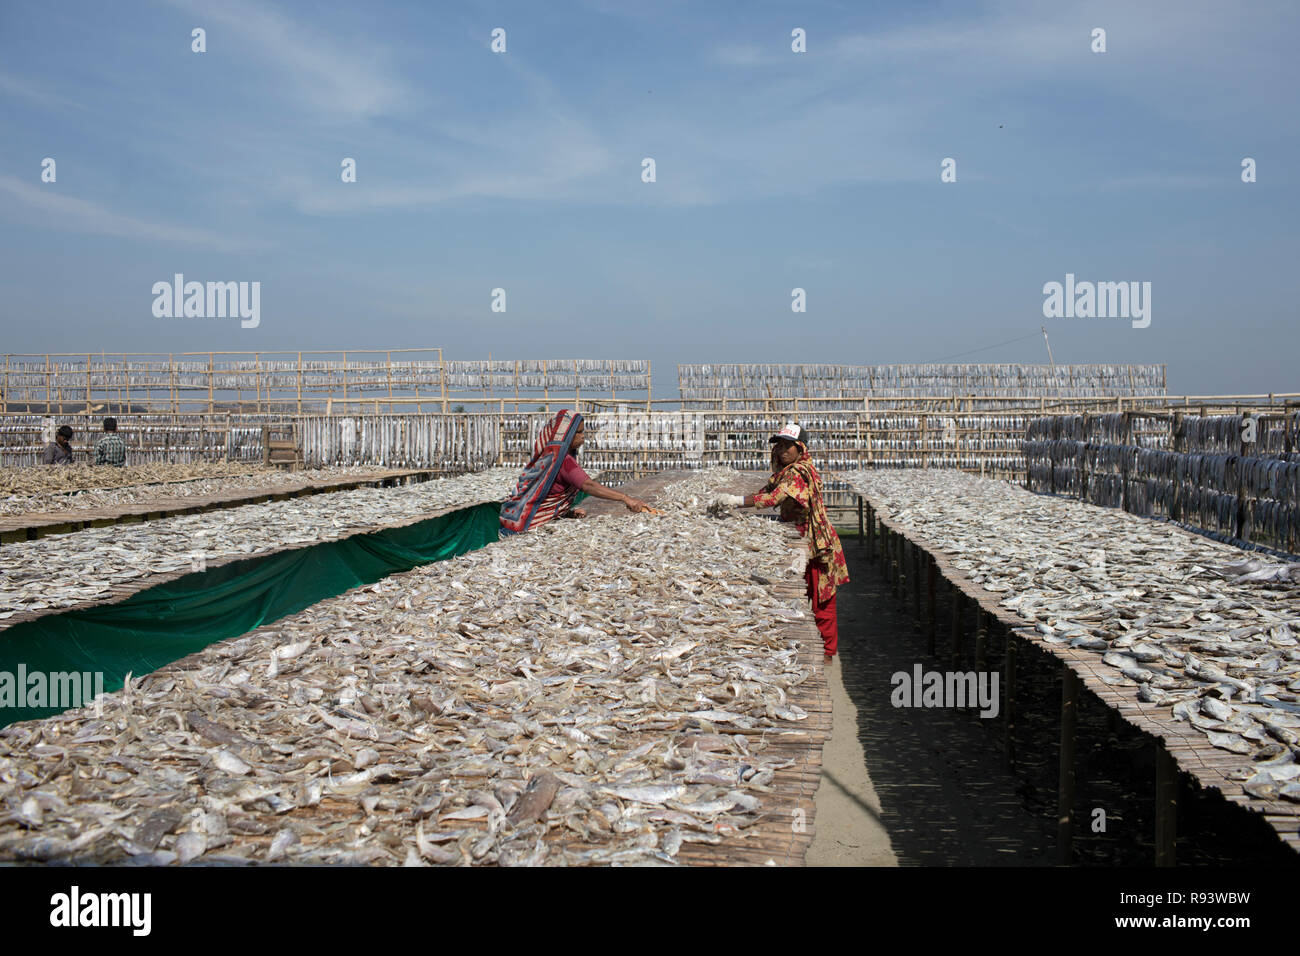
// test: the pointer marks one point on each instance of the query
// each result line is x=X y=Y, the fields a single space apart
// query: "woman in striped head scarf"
x=553 y=479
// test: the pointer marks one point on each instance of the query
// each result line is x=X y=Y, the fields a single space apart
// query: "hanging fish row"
x=760 y=381
x=1274 y=435
x=325 y=375
x=1204 y=490
x=450 y=442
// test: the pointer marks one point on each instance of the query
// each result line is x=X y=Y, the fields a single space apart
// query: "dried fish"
x=44 y=480
x=44 y=490
x=1178 y=615
x=553 y=698
x=66 y=570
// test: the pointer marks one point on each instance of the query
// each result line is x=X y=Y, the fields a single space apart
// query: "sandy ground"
x=849 y=831
x=912 y=787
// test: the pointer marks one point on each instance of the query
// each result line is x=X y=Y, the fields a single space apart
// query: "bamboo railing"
x=624 y=442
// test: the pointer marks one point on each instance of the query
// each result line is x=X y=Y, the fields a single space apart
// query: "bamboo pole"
x=956 y=631
x=1009 y=699
x=442 y=378
x=871 y=533
x=900 y=564
x=916 y=587
x=931 y=572
x=1166 y=808
x=1065 y=787
x=1242 y=528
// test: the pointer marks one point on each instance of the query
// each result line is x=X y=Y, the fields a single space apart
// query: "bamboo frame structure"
x=624 y=440
x=712 y=383
x=295 y=382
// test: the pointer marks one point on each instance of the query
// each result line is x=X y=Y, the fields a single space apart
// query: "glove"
x=731 y=501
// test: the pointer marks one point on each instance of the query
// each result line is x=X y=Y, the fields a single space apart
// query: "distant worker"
x=553 y=479
x=797 y=489
x=110 y=450
x=59 y=451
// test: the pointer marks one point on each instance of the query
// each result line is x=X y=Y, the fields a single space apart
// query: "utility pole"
x=1049 y=347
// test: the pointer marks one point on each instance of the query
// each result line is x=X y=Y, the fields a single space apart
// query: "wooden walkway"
x=785 y=831
x=37 y=524
x=1182 y=746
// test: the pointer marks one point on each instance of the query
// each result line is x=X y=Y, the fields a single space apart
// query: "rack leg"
x=1009 y=699
x=1166 y=807
x=930 y=574
x=1065 y=790
x=957 y=599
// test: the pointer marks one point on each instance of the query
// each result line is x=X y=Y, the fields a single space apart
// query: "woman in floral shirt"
x=797 y=489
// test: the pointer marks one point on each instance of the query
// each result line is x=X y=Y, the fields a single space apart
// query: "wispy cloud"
x=35 y=92
x=1173 y=180
x=57 y=211
x=342 y=79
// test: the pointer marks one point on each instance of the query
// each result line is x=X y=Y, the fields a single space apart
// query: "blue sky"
x=522 y=170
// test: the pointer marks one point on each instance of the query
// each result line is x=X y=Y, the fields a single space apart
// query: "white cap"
x=791 y=432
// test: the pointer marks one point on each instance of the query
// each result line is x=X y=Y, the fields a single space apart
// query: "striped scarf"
x=536 y=499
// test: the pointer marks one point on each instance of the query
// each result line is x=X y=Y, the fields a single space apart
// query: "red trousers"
x=823 y=614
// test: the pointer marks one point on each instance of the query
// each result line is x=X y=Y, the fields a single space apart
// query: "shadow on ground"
x=948 y=796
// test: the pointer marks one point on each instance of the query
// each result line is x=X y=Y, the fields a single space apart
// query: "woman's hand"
x=578 y=512
x=732 y=501
x=635 y=504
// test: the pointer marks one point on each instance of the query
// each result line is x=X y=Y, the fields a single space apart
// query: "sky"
x=522 y=170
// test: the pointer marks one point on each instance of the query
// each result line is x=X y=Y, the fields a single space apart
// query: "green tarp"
x=167 y=622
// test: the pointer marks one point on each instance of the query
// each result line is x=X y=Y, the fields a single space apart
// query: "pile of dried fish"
x=1184 y=620
x=63 y=570
x=109 y=497
x=701 y=488
x=594 y=692
x=78 y=476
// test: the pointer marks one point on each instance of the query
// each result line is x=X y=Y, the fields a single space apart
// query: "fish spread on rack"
x=150 y=489
x=599 y=691
x=1187 y=623
x=79 y=476
x=69 y=569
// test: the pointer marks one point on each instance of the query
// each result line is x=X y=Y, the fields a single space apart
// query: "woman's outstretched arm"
x=597 y=490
